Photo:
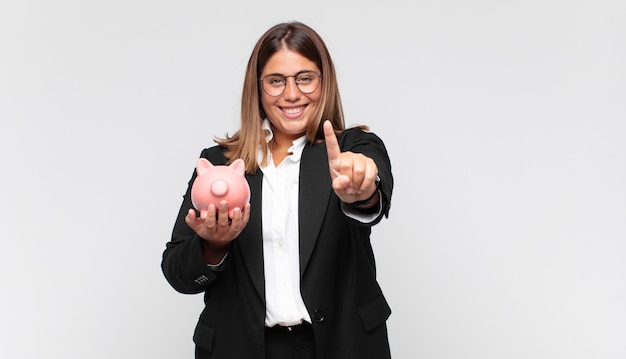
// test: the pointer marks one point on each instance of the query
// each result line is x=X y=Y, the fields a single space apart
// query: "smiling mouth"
x=293 y=110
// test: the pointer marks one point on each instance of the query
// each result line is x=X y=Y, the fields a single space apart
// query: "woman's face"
x=291 y=111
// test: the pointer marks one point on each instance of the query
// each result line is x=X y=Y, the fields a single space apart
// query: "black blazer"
x=337 y=267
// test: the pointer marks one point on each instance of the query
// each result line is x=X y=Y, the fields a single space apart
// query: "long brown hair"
x=295 y=36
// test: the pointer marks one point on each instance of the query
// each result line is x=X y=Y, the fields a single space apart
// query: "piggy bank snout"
x=219 y=188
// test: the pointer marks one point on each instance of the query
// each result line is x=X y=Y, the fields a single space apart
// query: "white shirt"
x=284 y=304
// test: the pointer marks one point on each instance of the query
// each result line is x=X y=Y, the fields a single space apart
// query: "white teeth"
x=293 y=111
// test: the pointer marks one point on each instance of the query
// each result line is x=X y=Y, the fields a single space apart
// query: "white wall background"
x=505 y=121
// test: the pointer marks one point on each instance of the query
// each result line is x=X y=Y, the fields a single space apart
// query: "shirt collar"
x=297 y=144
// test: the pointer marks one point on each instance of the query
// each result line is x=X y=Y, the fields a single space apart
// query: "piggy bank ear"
x=239 y=166
x=202 y=165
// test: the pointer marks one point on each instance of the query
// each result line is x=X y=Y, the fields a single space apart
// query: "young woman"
x=292 y=274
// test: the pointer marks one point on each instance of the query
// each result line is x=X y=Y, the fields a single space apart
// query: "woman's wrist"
x=212 y=254
x=370 y=201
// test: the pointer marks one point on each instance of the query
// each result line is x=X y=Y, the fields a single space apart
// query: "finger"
x=246 y=214
x=241 y=216
x=235 y=224
x=347 y=172
x=358 y=175
x=222 y=214
x=342 y=184
x=190 y=218
x=332 y=148
x=364 y=176
x=194 y=222
x=368 y=181
x=209 y=218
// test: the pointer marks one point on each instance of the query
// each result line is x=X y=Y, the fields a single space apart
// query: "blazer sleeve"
x=372 y=146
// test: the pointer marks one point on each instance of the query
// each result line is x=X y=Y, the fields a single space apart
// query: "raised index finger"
x=332 y=146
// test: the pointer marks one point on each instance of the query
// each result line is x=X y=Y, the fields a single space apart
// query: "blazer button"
x=318 y=316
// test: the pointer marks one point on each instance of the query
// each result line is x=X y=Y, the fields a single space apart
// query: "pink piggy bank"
x=215 y=183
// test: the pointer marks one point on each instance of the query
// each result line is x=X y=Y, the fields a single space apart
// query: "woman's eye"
x=276 y=81
x=304 y=79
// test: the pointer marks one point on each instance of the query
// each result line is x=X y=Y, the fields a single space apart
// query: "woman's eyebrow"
x=283 y=75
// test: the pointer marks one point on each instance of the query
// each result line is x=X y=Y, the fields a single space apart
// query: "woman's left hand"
x=353 y=175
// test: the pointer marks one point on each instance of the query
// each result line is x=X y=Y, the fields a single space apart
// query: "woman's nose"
x=291 y=89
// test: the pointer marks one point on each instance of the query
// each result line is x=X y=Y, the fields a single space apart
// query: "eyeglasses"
x=275 y=84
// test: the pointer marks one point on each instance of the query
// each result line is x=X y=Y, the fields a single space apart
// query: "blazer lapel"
x=314 y=195
x=251 y=238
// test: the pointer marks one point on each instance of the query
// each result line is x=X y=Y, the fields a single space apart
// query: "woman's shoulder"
x=352 y=134
x=215 y=154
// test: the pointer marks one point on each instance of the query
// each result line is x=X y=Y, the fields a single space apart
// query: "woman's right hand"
x=217 y=229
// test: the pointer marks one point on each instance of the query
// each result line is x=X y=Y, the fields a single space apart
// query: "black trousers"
x=295 y=342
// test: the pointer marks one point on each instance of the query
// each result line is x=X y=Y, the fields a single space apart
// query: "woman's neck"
x=280 y=150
